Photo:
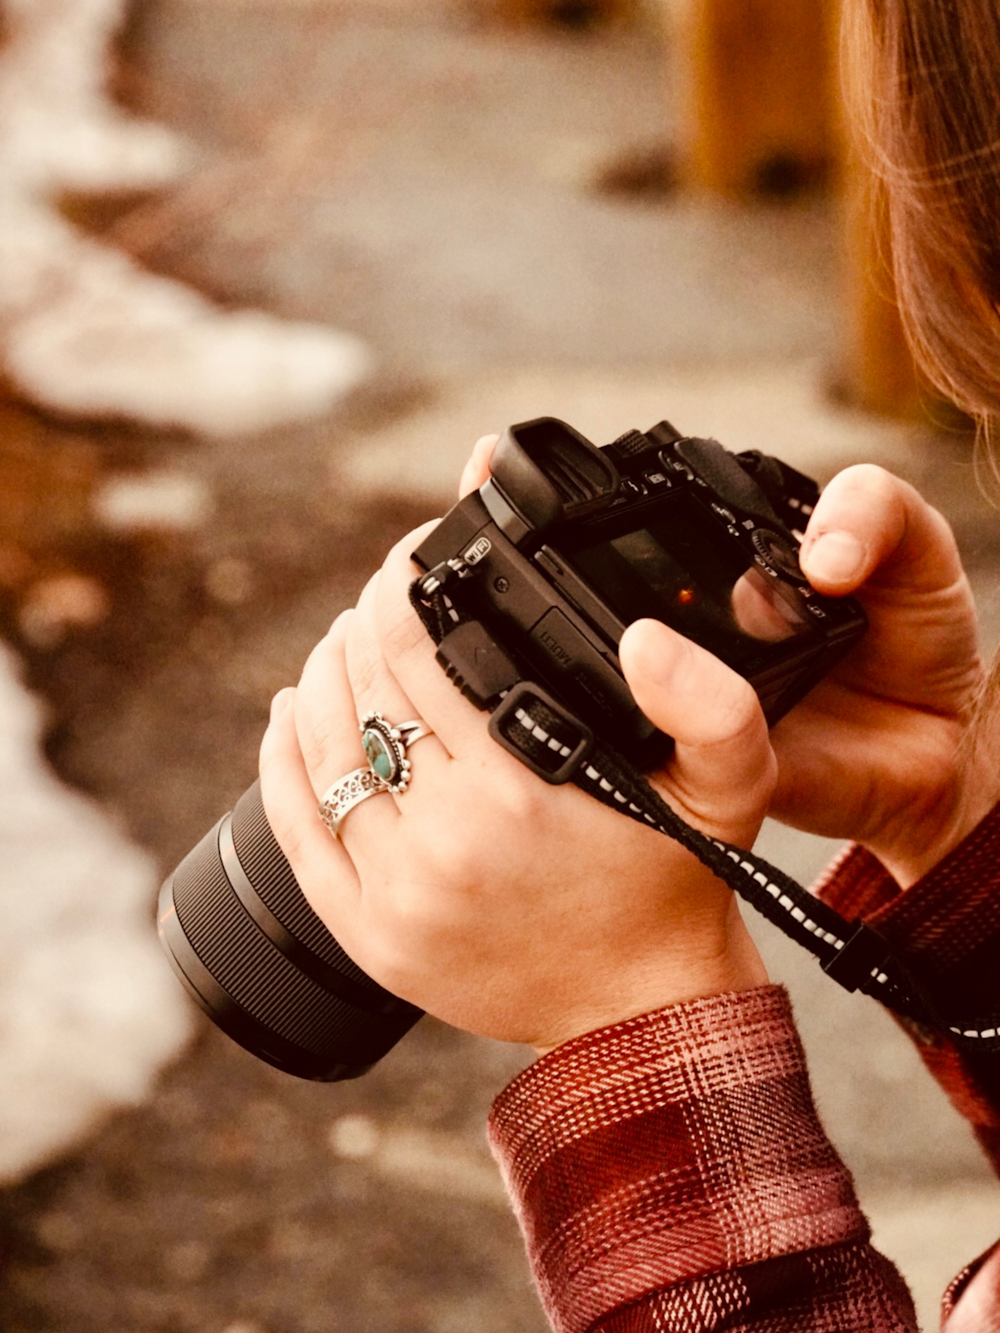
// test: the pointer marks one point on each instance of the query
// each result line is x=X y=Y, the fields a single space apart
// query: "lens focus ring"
x=327 y=1020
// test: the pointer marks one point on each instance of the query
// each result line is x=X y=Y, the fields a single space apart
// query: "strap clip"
x=863 y=954
x=545 y=736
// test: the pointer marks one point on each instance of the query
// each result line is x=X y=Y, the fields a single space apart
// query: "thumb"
x=870 y=525
x=723 y=770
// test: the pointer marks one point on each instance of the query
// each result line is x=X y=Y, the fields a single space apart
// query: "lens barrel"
x=252 y=953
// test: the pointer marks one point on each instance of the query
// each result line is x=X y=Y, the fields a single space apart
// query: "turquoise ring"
x=385 y=745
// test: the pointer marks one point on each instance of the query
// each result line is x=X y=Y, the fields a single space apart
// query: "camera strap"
x=556 y=745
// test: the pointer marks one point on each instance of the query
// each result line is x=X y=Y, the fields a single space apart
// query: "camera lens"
x=256 y=958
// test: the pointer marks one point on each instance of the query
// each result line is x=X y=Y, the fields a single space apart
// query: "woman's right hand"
x=881 y=751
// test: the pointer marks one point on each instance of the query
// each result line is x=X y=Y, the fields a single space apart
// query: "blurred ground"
x=426 y=180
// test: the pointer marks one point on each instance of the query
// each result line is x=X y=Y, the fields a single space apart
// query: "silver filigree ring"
x=343 y=795
x=386 y=745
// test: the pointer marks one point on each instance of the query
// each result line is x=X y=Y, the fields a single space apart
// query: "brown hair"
x=926 y=88
x=923 y=83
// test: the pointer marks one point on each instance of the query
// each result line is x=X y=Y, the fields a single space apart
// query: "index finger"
x=409 y=653
x=477 y=470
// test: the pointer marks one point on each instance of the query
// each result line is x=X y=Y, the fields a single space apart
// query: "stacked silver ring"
x=388 y=768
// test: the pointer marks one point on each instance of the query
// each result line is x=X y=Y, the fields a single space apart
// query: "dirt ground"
x=222 y=1200
x=437 y=184
x=232 y=1201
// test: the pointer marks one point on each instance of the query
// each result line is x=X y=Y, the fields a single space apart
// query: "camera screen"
x=681 y=569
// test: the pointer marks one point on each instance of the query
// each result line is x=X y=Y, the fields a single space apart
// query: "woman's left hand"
x=501 y=904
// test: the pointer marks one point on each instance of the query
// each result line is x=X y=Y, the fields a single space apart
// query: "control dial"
x=778 y=552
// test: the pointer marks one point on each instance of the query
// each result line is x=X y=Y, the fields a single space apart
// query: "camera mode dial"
x=777 y=552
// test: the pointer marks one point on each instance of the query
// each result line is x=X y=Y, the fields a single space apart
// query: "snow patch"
x=158 y=501
x=85 y=330
x=89 y=1010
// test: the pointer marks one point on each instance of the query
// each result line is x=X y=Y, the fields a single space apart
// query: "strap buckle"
x=544 y=735
x=863 y=954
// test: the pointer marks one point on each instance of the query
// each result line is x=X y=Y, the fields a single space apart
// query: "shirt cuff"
x=950 y=918
x=676 y=1144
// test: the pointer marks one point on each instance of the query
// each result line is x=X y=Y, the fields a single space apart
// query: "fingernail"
x=281 y=701
x=834 y=558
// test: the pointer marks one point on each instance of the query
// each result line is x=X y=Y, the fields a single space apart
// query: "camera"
x=567 y=544
x=534 y=578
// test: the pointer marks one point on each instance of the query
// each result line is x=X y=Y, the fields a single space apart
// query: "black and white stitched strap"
x=534 y=727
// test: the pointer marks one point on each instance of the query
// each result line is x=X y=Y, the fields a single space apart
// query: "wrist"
x=931 y=836
x=731 y=965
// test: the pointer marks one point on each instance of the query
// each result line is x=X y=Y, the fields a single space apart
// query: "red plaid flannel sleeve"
x=949 y=924
x=670 y=1173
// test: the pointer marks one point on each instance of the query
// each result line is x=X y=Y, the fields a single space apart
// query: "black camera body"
x=567 y=544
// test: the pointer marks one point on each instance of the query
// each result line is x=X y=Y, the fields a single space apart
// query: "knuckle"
x=456 y=857
x=287 y=831
x=401 y=631
x=498 y=794
x=410 y=916
x=364 y=670
x=451 y=857
x=318 y=741
x=941 y=527
x=398 y=941
x=894 y=512
x=869 y=477
x=873 y=475
x=737 y=713
x=519 y=802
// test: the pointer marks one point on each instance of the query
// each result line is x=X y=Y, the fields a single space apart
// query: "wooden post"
x=578 y=15
x=756 y=88
x=879 y=373
x=761 y=114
